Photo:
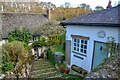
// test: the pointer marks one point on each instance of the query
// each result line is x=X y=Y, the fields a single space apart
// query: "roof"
x=107 y=17
x=12 y=20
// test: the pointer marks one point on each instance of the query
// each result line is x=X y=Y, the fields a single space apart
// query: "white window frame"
x=81 y=44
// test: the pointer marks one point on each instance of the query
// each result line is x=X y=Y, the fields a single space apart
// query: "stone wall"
x=68 y=52
x=0 y=27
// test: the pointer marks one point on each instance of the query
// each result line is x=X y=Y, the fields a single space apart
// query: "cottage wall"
x=119 y=35
x=89 y=31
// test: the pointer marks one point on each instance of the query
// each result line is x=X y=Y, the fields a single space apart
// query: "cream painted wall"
x=2 y=42
x=89 y=31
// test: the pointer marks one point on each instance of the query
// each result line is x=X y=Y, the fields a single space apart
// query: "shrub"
x=50 y=56
x=7 y=65
x=15 y=55
x=22 y=35
x=56 y=39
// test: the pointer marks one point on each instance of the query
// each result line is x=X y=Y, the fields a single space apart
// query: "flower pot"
x=66 y=71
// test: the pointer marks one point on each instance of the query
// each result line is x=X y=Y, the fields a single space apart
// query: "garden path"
x=43 y=69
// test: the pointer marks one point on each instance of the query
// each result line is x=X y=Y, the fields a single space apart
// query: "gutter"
x=90 y=24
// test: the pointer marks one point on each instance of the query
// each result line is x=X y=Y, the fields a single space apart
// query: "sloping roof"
x=12 y=20
x=106 y=17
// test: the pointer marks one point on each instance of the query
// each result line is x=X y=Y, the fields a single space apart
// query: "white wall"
x=119 y=35
x=89 y=31
x=2 y=42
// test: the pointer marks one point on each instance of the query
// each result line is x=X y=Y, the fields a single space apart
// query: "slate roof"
x=106 y=17
x=12 y=20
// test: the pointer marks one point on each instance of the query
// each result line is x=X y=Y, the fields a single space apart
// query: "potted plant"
x=66 y=71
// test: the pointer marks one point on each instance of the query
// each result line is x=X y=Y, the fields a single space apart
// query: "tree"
x=66 y=5
x=22 y=35
x=99 y=8
x=84 y=6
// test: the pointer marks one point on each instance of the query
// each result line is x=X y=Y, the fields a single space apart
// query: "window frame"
x=82 y=41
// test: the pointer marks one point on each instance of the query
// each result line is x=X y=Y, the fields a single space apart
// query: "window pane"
x=81 y=46
x=77 y=49
x=84 y=51
x=85 y=42
x=82 y=41
x=85 y=46
x=74 y=48
x=77 y=45
x=74 y=40
x=74 y=44
x=81 y=50
x=78 y=41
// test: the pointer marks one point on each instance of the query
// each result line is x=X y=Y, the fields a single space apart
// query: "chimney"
x=48 y=13
x=109 y=4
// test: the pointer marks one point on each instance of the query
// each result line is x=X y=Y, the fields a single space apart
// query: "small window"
x=80 y=45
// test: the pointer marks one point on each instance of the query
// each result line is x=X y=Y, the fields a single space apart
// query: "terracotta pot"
x=66 y=71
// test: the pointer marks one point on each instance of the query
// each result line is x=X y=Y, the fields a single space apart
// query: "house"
x=9 y=21
x=86 y=37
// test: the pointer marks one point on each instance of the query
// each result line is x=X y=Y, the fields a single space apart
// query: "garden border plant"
x=113 y=60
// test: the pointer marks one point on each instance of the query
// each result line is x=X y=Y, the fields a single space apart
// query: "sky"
x=74 y=3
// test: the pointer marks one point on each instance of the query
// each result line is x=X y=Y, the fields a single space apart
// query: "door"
x=99 y=53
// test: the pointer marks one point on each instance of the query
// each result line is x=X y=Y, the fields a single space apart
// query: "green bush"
x=15 y=54
x=72 y=77
x=7 y=64
x=22 y=35
x=56 y=39
x=41 y=42
x=50 y=56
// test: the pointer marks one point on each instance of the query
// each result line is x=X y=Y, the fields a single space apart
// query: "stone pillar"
x=33 y=52
x=68 y=52
x=39 y=51
x=0 y=26
x=48 y=13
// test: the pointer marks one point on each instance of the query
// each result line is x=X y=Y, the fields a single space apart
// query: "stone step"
x=41 y=67
x=48 y=75
x=43 y=70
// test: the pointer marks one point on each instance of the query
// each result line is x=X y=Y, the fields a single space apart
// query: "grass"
x=72 y=77
x=58 y=48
